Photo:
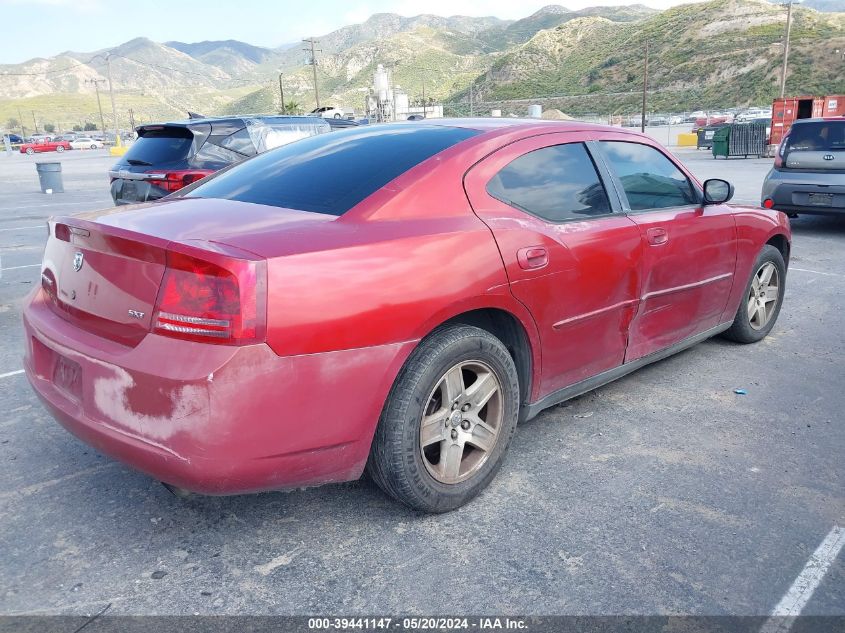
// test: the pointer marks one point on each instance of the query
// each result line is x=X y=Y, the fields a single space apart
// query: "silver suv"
x=809 y=171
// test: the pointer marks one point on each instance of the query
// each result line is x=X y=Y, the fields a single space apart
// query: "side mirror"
x=717 y=191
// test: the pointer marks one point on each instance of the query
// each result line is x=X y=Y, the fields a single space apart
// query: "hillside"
x=711 y=55
x=715 y=54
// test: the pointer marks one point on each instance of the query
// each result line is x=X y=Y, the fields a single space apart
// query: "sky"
x=43 y=28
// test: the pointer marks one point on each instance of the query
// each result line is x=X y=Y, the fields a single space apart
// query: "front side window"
x=556 y=183
x=650 y=180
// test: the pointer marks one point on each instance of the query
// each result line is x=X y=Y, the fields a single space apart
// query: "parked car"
x=14 y=139
x=44 y=145
x=271 y=327
x=168 y=156
x=808 y=175
x=327 y=112
x=86 y=142
x=336 y=124
x=34 y=138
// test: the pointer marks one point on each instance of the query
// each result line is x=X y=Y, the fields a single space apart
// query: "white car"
x=86 y=142
x=328 y=112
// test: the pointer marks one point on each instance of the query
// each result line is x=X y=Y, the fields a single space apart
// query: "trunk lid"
x=816 y=160
x=103 y=280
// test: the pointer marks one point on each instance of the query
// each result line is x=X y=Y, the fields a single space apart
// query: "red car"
x=44 y=146
x=393 y=297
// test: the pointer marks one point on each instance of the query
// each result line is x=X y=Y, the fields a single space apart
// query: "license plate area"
x=67 y=376
x=820 y=199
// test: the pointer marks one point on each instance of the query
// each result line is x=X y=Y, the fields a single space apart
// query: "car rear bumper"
x=813 y=194
x=213 y=419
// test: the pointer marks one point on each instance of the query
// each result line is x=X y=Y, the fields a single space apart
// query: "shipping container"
x=789 y=109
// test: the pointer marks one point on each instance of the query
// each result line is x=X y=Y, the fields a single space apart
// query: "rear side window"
x=817 y=136
x=556 y=183
x=331 y=173
x=161 y=146
x=650 y=180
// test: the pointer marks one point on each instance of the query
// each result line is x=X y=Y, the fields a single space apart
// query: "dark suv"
x=168 y=156
x=809 y=171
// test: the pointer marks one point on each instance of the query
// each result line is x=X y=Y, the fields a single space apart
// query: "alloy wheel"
x=763 y=295
x=461 y=421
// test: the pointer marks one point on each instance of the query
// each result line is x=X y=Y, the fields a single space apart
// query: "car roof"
x=493 y=123
x=821 y=119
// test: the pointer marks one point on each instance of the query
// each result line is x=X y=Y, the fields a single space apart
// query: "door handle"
x=657 y=236
x=532 y=257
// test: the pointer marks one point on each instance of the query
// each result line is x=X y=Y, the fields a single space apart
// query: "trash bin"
x=748 y=139
x=50 y=177
x=705 y=135
x=721 y=141
x=740 y=139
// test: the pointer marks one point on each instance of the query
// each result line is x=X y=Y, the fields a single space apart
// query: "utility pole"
x=132 y=119
x=97 y=83
x=312 y=42
x=786 y=48
x=282 y=94
x=34 y=122
x=645 y=88
x=20 y=122
x=111 y=94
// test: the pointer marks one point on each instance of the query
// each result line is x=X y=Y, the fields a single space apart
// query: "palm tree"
x=292 y=107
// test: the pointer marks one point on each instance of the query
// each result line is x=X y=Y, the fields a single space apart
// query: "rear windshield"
x=818 y=136
x=331 y=173
x=161 y=146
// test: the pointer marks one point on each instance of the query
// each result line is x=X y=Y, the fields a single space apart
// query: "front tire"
x=30 y=151
x=762 y=300
x=60 y=149
x=448 y=420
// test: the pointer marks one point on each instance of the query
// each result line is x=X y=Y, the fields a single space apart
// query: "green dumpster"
x=721 y=141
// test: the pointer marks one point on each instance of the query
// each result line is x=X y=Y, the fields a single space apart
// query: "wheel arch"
x=780 y=242
x=510 y=322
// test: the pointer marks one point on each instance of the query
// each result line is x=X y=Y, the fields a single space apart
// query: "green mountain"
x=715 y=54
x=724 y=52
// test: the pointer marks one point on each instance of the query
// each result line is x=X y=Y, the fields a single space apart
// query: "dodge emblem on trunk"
x=77 y=260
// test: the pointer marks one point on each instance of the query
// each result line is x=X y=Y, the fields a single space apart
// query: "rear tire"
x=448 y=420
x=763 y=297
x=60 y=148
x=30 y=151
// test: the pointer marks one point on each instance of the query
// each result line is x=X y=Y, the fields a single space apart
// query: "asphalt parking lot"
x=662 y=493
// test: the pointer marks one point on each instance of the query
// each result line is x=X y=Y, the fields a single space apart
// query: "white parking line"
x=11 y=373
x=23 y=228
x=19 y=267
x=815 y=272
x=796 y=598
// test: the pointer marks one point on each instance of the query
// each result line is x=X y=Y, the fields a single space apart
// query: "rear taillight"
x=215 y=300
x=175 y=180
x=780 y=151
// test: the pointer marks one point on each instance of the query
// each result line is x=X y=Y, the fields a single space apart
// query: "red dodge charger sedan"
x=393 y=297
